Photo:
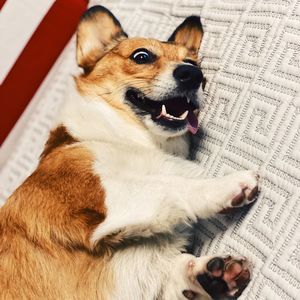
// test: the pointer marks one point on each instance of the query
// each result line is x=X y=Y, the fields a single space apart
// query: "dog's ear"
x=189 y=34
x=98 y=31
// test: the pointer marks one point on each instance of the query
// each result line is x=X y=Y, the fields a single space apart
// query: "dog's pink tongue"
x=192 y=122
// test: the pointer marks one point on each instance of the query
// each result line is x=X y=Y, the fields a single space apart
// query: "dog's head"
x=151 y=82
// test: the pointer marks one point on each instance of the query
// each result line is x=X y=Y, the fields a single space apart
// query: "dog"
x=100 y=217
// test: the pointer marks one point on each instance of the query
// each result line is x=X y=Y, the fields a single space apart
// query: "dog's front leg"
x=144 y=206
x=210 y=196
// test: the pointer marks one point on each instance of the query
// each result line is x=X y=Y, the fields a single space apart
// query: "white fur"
x=93 y=119
x=148 y=193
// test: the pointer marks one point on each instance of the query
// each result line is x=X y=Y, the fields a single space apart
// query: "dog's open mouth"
x=174 y=113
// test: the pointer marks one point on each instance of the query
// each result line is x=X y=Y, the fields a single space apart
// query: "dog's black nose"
x=188 y=77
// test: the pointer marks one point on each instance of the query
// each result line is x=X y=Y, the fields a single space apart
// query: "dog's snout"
x=188 y=77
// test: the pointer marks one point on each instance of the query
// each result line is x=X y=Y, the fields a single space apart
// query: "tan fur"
x=190 y=38
x=34 y=249
x=96 y=41
x=57 y=138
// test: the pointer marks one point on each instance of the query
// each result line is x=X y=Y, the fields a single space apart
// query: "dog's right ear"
x=98 y=31
x=189 y=34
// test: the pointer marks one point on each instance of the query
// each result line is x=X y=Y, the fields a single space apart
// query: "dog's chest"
x=117 y=160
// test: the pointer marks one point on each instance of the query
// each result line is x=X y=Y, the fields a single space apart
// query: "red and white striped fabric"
x=32 y=36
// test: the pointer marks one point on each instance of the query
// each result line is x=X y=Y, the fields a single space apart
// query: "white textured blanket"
x=250 y=119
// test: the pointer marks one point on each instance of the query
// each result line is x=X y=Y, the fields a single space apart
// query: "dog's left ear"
x=189 y=34
x=98 y=31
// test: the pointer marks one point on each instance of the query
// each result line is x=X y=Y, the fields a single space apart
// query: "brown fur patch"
x=45 y=227
x=58 y=137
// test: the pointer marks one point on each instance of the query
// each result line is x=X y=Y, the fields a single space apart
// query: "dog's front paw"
x=242 y=189
x=220 y=277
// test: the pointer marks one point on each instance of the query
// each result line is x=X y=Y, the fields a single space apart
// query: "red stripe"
x=2 y=3
x=36 y=59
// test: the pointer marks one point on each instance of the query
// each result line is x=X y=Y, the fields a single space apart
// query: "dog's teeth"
x=184 y=115
x=188 y=100
x=170 y=117
x=164 y=113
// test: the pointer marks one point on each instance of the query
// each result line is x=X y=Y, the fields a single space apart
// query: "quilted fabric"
x=250 y=119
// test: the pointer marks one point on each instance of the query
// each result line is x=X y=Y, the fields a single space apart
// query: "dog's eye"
x=142 y=56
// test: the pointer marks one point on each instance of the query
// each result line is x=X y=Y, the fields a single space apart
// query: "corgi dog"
x=100 y=217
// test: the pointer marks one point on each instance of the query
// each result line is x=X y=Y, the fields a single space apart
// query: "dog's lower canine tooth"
x=184 y=115
x=162 y=113
x=171 y=117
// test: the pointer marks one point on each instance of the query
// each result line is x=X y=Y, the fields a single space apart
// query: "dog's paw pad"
x=246 y=189
x=225 y=277
x=216 y=266
x=252 y=194
x=245 y=196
